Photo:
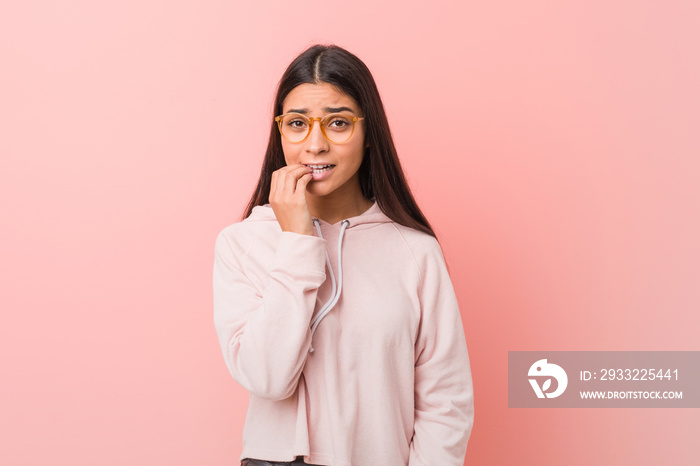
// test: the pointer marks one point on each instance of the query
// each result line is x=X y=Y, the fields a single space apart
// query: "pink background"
x=553 y=146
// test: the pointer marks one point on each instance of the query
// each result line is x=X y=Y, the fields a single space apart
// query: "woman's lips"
x=321 y=174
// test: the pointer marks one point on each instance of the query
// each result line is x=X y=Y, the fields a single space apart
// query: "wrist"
x=301 y=231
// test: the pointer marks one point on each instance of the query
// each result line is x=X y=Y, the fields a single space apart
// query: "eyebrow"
x=304 y=111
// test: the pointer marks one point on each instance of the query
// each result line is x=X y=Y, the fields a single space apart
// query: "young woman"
x=332 y=301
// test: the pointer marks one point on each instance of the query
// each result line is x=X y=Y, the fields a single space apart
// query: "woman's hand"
x=288 y=198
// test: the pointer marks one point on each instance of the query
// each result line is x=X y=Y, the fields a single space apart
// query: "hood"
x=371 y=217
x=367 y=219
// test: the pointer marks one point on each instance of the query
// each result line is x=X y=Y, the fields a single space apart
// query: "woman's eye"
x=297 y=124
x=339 y=123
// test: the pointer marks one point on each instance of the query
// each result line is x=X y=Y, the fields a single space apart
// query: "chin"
x=318 y=192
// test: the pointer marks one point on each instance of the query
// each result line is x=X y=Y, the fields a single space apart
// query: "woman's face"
x=318 y=100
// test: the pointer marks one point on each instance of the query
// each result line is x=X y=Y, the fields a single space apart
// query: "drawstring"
x=328 y=262
x=335 y=296
x=334 y=299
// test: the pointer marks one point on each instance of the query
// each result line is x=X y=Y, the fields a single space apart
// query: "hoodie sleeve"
x=265 y=338
x=444 y=402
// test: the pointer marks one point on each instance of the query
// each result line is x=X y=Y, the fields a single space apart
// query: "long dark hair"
x=380 y=173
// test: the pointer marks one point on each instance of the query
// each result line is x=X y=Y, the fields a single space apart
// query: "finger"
x=273 y=183
x=302 y=182
x=292 y=177
x=298 y=170
x=292 y=168
x=282 y=182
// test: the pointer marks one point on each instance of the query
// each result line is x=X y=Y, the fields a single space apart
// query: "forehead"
x=315 y=97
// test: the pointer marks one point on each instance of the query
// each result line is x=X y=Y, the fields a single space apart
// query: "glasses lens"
x=294 y=127
x=338 y=127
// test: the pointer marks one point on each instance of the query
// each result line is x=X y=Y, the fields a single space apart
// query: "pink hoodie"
x=350 y=342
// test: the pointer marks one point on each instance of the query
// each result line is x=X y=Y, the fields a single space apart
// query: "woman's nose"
x=316 y=142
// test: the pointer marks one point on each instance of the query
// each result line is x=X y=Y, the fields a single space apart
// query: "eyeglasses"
x=336 y=127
